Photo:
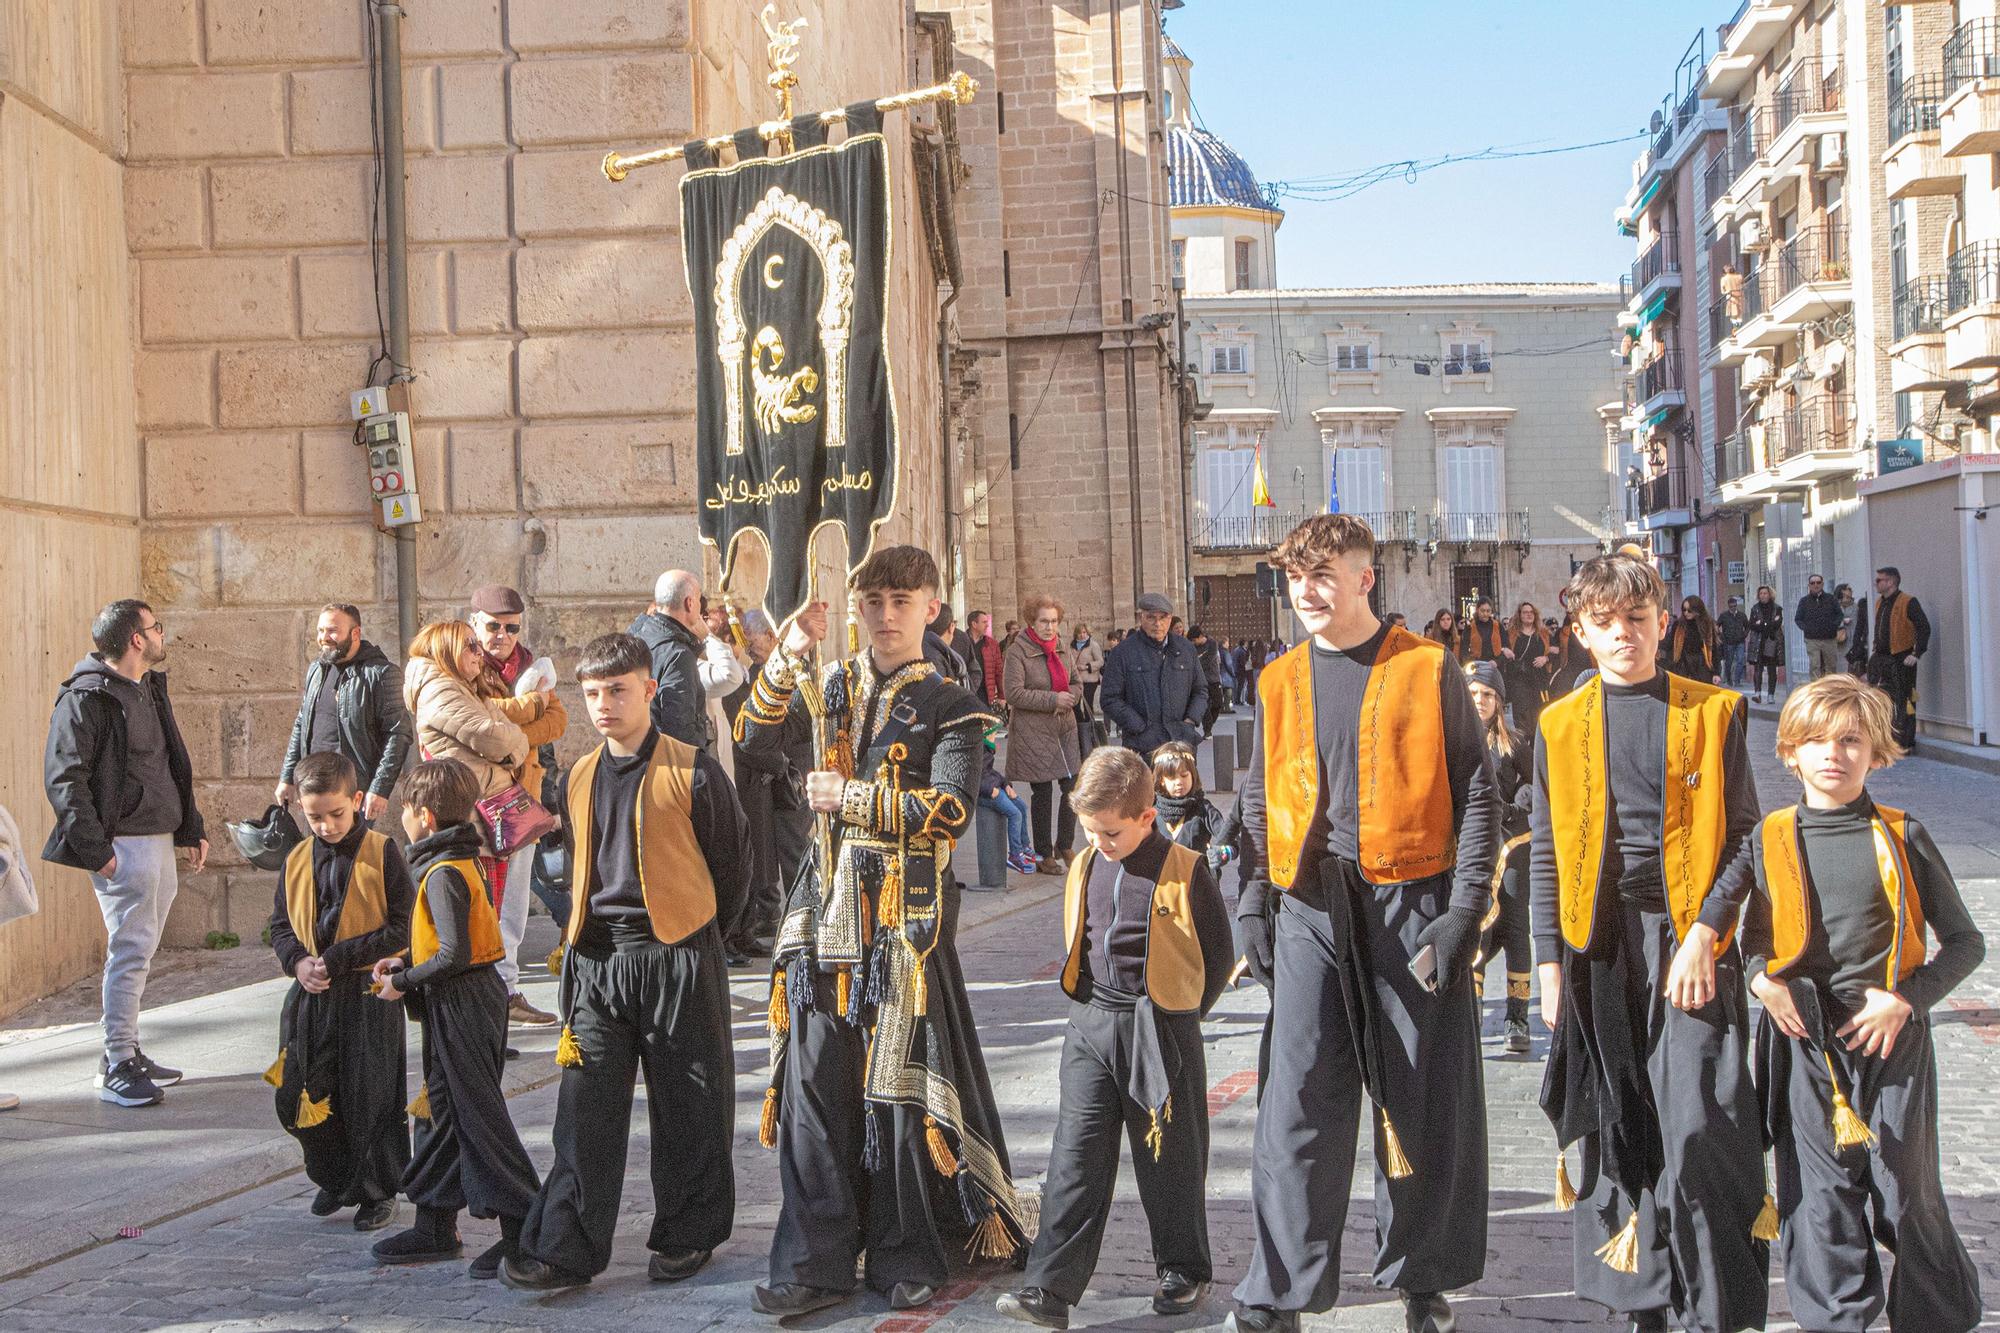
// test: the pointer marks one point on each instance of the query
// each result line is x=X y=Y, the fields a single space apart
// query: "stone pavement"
x=245 y=1255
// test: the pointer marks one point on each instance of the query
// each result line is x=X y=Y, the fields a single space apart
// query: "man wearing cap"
x=1732 y=630
x=1153 y=687
x=497 y=616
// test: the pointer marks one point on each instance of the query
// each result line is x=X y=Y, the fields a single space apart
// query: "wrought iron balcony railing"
x=1663 y=491
x=1817 y=254
x=1971 y=52
x=1972 y=276
x=1661 y=257
x=1661 y=375
x=1821 y=424
x=1465 y=527
x=1807 y=89
x=1921 y=305
x=1913 y=108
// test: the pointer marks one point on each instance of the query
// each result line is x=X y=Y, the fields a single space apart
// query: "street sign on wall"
x=1735 y=573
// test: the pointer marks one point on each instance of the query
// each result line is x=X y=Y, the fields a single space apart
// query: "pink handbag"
x=514 y=819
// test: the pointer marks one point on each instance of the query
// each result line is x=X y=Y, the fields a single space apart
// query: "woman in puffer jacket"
x=441 y=689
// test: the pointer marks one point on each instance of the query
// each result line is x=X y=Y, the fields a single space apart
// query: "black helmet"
x=265 y=842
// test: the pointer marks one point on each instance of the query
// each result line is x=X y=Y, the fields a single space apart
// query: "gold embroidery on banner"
x=777 y=395
x=836 y=307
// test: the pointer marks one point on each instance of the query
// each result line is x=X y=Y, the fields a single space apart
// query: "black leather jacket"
x=375 y=731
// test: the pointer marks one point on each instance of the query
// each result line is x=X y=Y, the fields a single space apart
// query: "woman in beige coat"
x=440 y=686
x=1038 y=675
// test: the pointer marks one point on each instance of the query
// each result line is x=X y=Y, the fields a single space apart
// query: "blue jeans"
x=1016 y=811
x=1734 y=655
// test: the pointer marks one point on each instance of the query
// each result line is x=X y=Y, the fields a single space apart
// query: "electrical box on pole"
x=385 y=436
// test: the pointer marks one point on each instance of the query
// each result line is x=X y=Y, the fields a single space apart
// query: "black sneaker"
x=159 y=1073
x=374 y=1216
x=676 y=1265
x=487 y=1265
x=788 y=1300
x=127 y=1085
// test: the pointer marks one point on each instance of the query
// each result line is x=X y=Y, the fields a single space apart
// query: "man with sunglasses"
x=118 y=778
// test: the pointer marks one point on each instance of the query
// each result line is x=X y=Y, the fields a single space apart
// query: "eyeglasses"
x=159 y=625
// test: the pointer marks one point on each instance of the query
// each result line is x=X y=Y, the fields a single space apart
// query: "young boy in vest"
x=1834 y=944
x=468 y=1153
x=1372 y=809
x=1149 y=951
x=1639 y=865
x=343 y=904
x=662 y=854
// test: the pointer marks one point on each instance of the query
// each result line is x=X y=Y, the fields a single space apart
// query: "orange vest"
x=1483 y=642
x=1785 y=879
x=482 y=922
x=1902 y=634
x=1403 y=788
x=1692 y=824
x=673 y=875
x=365 y=908
x=1174 y=970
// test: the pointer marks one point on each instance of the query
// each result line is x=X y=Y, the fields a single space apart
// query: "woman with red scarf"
x=1037 y=671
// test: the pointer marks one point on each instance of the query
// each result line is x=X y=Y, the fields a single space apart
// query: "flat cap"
x=497 y=599
x=1155 y=603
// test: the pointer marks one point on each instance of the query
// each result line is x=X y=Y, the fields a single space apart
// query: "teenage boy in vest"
x=662 y=854
x=1639 y=865
x=1834 y=944
x=879 y=1106
x=468 y=1154
x=1373 y=811
x=343 y=904
x=1149 y=951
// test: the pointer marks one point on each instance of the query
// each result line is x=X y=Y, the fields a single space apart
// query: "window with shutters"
x=1466 y=349
x=1359 y=474
x=1354 y=358
x=1471 y=479
x=1246 y=254
x=1227 y=359
x=1180 y=261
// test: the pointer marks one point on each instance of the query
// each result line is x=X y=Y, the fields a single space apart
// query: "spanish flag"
x=1260 y=490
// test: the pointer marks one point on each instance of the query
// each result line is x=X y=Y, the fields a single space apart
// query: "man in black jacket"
x=1819 y=618
x=118 y=778
x=1902 y=636
x=1154 y=687
x=689 y=665
x=353 y=705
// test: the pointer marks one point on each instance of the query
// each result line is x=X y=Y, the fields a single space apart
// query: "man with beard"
x=352 y=706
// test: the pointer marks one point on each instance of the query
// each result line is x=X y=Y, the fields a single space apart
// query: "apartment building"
x=1829 y=218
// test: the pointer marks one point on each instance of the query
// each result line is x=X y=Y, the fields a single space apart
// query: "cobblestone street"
x=257 y=1260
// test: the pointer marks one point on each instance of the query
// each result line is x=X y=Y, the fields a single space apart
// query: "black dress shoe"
x=911 y=1295
x=786 y=1300
x=1035 y=1305
x=374 y=1216
x=676 y=1265
x=1261 y=1319
x=325 y=1204
x=1177 y=1293
x=1427 y=1312
x=487 y=1266
x=523 y=1273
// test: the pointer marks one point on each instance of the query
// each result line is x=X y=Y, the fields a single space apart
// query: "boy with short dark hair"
x=1149 y=950
x=1834 y=944
x=662 y=856
x=468 y=1154
x=1639 y=865
x=343 y=903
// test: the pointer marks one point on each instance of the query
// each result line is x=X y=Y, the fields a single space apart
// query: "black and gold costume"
x=339 y=1074
x=867 y=996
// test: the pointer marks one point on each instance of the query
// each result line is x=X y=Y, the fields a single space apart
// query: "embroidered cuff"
x=858 y=804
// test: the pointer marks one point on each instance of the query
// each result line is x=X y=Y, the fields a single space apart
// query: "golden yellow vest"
x=1175 y=973
x=673 y=874
x=1403 y=788
x=1692 y=822
x=482 y=922
x=365 y=908
x=1902 y=634
x=1791 y=905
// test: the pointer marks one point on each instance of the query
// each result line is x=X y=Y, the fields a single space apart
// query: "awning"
x=1647 y=197
x=1654 y=309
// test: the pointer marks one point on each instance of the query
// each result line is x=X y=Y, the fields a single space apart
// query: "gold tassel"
x=843 y=991
x=941 y=1158
x=1621 y=1253
x=1394 y=1164
x=311 y=1112
x=767 y=1124
x=778 y=1021
x=1565 y=1192
x=889 y=903
x=1848 y=1129
x=275 y=1075
x=1167 y=1110
x=421 y=1107
x=568 y=1054
x=991 y=1239
x=1766 y=1225
x=555 y=961
x=1154 y=1137
x=920 y=991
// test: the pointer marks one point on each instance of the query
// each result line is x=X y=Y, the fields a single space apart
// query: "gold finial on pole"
x=782 y=52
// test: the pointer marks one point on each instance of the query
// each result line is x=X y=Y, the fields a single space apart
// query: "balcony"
x=1915 y=164
x=1747 y=39
x=1660 y=386
x=1262 y=529
x=1663 y=500
x=1972 y=308
x=1916 y=357
x=1969 y=118
x=1747 y=144
x=1732 y=459
x=1749 y=314
x=1507 y=526
x=1806 y=105
x=1657 y=270
x=1812 y=277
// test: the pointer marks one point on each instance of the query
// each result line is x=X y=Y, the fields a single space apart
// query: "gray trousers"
x=134 y=900
x=1823 y=657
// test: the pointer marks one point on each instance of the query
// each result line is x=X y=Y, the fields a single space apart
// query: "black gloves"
x=1455 y=936
x=1255 y=929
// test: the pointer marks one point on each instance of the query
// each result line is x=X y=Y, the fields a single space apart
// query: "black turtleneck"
x=1852 y=926
x=1118 y=906
x=614 y=850
x=449 y=896
x=333 y=868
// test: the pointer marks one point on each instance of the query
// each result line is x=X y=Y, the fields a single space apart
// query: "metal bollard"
x=1222 y=753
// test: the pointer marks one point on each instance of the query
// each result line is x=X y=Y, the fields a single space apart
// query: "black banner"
x=788 y=262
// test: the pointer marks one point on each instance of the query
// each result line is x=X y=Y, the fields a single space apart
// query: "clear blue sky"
x=1314 y=87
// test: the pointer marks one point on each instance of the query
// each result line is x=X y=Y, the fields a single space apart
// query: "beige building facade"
x=187 y=299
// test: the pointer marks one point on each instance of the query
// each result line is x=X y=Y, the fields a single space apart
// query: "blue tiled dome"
x=1207 y=171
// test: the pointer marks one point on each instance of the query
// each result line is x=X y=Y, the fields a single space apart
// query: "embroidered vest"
x=1402 y=785
x=1174 y=971
x=1786 y=879
x=365 y=908
x=673 y=875
x=482 y=922
x=1902 y=634
x=1692 y=821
